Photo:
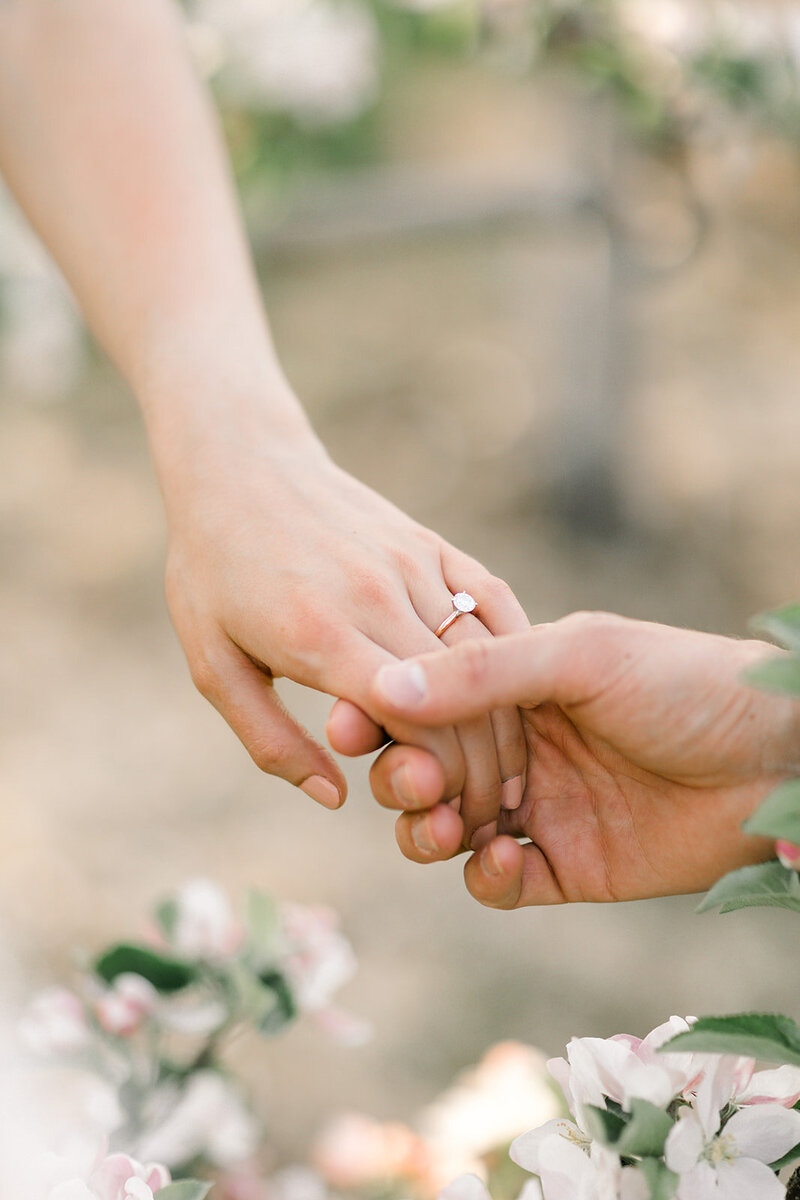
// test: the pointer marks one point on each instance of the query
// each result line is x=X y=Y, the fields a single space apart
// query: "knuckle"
x=267 y=752
x=497 y=589
x=373 y=591
x=591 y=623
x=205 y=677
x=475 y=661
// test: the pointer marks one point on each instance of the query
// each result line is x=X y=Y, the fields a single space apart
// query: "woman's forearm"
x=113 y=151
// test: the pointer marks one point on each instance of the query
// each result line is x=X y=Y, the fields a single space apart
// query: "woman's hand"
x=282 y=564
x=646 y=751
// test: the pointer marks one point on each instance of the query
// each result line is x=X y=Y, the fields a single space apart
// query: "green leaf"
x=278 y=1004
x=779 y=674
x=768 y=1036
x=779 y=815
x=186 y=1189
x=662 y=1182
x=642 y=1131
x=602 y=1125
x=263 y=924
x=768 y=885
x=781 y=624
x=646 y=1131
x=165 y=973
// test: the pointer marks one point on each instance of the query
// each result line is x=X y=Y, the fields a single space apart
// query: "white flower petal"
x=746 y=1179
x=684 y=1143
x=565 y=1171
x=764 y=1131
x=73 y=1189
x=714 y=1091
x=466 y=1187
x=525 y=1150
x=781 y=1085
x=700 y=1183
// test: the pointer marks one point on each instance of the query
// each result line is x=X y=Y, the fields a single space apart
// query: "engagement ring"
x=462 y=603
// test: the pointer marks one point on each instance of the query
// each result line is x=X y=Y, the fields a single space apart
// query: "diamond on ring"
x=463 y=603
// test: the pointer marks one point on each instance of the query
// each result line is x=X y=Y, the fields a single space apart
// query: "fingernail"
x=511 y=793
x=788 y=854
x=455 y=804
x=483 y=835
x=491 y=864
x=422 y=837
x=321 y=790
x=403 y=685
x=402 y=784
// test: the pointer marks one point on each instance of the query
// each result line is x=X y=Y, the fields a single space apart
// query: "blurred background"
x=533 y=268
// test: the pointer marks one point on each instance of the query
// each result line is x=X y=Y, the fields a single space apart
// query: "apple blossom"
x=571 y=1167
x=319 y=959
x=55 y=1023
x=317 y=60
x=489 y=1105
x=731 y=1161
x=116 y=1177
x=203 y=924
x=623 y=1068
x=354 y=1150
x=122 y=1007
x=206 y=1118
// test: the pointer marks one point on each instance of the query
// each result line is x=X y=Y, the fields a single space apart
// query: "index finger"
x=568 y=663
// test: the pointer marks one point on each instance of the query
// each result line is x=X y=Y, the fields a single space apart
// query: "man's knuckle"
x=475 y=661
x=267 y=752
x=591 y=623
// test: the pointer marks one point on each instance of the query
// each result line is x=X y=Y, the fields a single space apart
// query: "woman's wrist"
x=205 y=417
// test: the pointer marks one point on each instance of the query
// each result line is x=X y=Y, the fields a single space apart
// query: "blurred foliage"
x=673 y=68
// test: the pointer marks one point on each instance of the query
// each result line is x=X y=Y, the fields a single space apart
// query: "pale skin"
x=279 y=562
x=646 y=751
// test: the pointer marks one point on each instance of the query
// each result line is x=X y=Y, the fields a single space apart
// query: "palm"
x=609 y=823
x=638 y=787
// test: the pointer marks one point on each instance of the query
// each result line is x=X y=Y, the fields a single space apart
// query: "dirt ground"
x=434 y=369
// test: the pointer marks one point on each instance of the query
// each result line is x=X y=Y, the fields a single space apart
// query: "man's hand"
x=646 y=751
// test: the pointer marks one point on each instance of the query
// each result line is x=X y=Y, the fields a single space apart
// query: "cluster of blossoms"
x=651 y=1123
x=131 y=1058
x=462 y=1131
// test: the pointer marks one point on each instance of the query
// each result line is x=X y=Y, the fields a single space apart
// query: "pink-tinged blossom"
x=122 y=1007
x=624 y=1068
x=55 y=1023
x=204 y=924
x=117 y=1177
x=489 y=1105
x=354 y=1151
x=778 y=1086
x=319 y=959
